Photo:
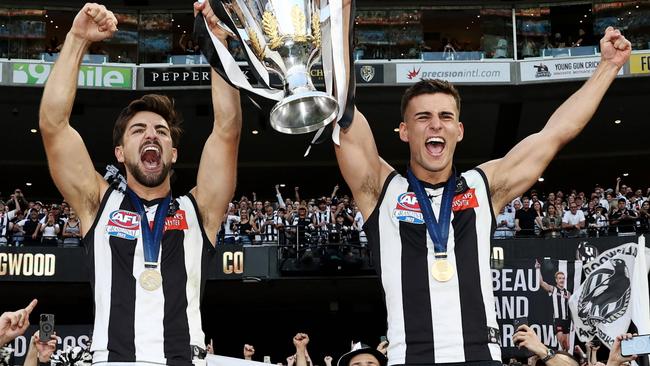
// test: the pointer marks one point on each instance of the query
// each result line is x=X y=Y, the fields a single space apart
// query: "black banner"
x=174 y=77
x=236 y=262
x=42 y=264
x=520 y=292
x=70 y=264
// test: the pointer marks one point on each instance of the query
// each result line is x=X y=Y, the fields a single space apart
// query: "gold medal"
x=442 y=270
x=150 y=280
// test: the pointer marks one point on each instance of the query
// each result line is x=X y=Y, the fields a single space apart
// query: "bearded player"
x=147 y=249
x=431 y=229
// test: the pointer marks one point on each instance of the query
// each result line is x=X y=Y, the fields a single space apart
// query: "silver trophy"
x=285 y=35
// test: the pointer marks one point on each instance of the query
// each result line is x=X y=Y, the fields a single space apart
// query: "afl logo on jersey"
x=408 y=209
x=123 y=224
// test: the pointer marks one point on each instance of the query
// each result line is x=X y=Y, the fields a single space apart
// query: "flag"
x=613 y=294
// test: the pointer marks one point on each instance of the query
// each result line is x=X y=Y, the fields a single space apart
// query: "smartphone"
x=267 y=359
x=519 y=322
x=383 y=339
x=638 y=345
x=46 y=327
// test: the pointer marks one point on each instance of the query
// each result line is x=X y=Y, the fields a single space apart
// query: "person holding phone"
x=616 y=358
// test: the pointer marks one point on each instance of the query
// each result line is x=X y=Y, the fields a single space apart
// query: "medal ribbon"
x=151 y=239
x=438 y=230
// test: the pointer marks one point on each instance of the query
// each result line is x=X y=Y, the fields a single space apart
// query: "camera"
x=46 y=327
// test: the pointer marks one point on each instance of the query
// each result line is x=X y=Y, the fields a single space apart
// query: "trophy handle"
x=226 y=29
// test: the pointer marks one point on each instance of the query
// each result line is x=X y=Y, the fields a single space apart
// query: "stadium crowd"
x=335 y=218
x=40 y=351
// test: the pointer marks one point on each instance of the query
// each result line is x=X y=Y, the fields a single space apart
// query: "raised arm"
x=513 y=174
x=362 y=168
x=70 y=165
x=215 y=183
x=545 y=286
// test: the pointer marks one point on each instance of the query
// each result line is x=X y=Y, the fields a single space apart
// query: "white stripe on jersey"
x=103 y=273
x=193 y=255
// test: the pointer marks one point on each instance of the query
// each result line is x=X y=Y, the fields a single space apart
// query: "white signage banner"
x=455 y=72
x=559 y=69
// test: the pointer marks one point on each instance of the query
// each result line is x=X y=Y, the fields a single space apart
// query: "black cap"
x=358 y=349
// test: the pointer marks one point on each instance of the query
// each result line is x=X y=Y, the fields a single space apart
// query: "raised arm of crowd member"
x=592 y=353
x=327 y=360
x=615 y=357
x=278 y=195
x=40 y=352
x=213 y=191
x=70 y=165
x=526 y=338
x=249 y=352
x=300 y=341
x=297 y=190
x=336 y=189
x=15 y=323
x=544 y=285
x=513 y=174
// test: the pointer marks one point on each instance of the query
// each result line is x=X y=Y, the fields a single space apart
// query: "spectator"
x=6 y=218
x=550 y=199
x=30 y=228
x=551 y=223
x=525 y=220
x=358 y=225
x=644 y=217
x=15 y=323
x=622 y=219
x=49 y=231
x=573 y=222
x=230 y=220
x=247 y=228
x=362 y=354
x=281 y=220
x=600 y=222
x=615 y=358
x=22 y=202
x=72 y=230
x=39 y=351
x=539 y=216
x=505 y=225
x=526 y=338
x=17 y=233
x=268 y=229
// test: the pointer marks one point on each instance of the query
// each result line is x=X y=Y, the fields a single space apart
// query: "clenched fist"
x=615 y=48
x=94 y=23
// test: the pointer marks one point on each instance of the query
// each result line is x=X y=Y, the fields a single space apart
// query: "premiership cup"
x=285 y=36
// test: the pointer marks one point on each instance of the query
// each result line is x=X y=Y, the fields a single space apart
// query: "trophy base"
x=304 y=112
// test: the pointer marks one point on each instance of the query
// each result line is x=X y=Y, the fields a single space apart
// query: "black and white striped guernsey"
x=432 y=322
x=560 y=303
x=131 y=323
